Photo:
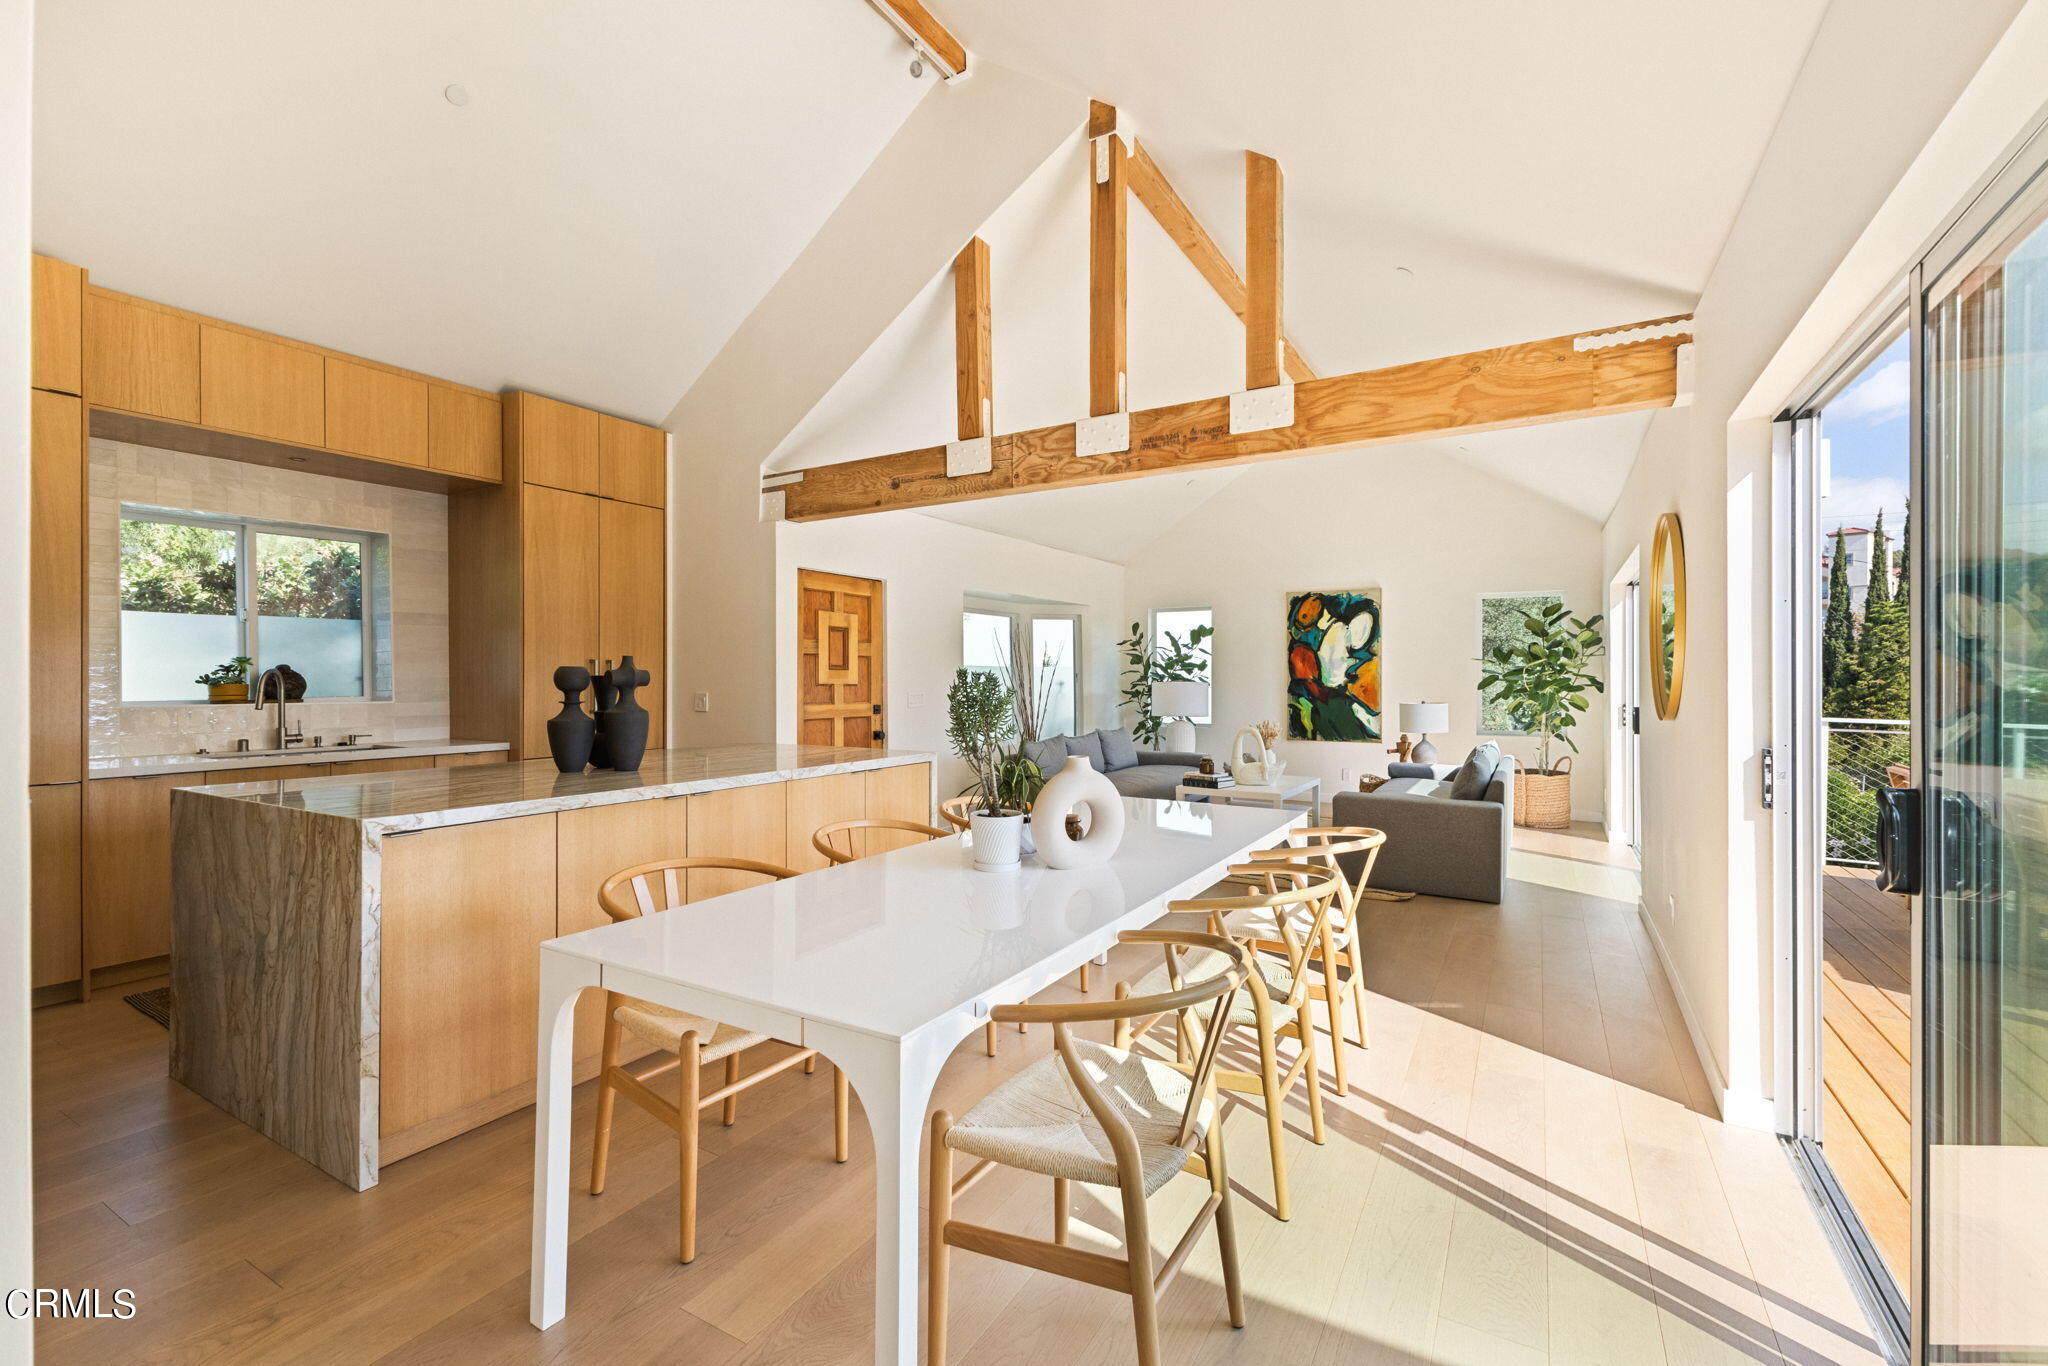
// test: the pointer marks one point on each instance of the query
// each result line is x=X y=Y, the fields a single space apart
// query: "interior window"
x=1180 y=621
x=1501 y=624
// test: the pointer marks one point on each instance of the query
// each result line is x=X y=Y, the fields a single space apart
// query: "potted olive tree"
x=1544 y=680
x=981 y=713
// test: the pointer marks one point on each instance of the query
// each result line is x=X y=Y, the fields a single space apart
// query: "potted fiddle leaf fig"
x=1543 y=680
x=227 y=682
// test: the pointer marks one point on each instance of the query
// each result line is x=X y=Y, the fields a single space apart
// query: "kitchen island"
x=352 y=966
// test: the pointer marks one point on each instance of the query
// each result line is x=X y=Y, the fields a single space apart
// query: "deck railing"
x=1860 y=752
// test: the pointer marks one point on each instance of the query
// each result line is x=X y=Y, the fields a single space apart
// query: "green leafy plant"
x=1176 y=659
x=235 y=670
x=1545 y=677
x=981 y=714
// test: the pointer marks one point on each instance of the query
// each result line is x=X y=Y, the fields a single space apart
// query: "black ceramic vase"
x=602 y=694
x=625 y=721
x=571 y=730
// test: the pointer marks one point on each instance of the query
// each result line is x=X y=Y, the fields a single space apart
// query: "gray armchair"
x=1437 y=845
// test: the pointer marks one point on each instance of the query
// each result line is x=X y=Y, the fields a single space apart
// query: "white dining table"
x=883 y=965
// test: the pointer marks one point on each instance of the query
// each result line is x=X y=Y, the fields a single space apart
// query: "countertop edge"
x=158 y=766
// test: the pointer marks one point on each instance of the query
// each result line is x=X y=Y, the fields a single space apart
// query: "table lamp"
x=1178 y=701
x=1424 y=718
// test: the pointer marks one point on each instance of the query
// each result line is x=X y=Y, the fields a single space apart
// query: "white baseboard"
x=1746 y=1109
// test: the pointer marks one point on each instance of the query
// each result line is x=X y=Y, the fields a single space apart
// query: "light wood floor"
x=1526 y=1170
x=1866 y=1069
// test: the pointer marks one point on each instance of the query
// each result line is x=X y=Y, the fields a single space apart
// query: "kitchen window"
x=198 y=591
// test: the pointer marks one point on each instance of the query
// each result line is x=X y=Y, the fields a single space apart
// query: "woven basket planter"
x=1543 y=801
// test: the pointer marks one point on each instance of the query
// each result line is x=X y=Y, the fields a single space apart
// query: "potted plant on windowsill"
x=1544 y=680
x=980 y=715
x=228 y=682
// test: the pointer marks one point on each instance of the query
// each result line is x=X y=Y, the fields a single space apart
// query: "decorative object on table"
x=228 y=682
x=1208 y=765
x=291 y=680
x=1176 y=659
x=1075 y=788
x=1667 y=607
x=1545 y=678
x=1252 y=760
x=1401 y=749
x=1209 y=780
x=625 y=720
x=602 y=695
x=1426 y=719
x=1174 y=701
x=981 y=715
x=572 y=730
x=1333 y=666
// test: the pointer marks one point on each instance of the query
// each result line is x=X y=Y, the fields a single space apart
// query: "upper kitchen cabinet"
x=464 y=433
x=141 y=358
x=632 y=461
x=56 y=588
x=261 y=387
x=375 y=412
x=58 y=310
x=558 y=442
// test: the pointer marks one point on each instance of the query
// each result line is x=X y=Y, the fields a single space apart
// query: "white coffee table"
x=1286 y=792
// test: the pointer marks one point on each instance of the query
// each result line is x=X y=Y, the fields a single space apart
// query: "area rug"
x=155 y=1004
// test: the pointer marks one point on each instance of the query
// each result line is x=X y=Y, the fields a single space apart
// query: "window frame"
x=1021 y=615
x=1556 y=594
x=247 y=625
x=1152 y=642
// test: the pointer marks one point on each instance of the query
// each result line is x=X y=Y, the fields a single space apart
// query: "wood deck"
x=1866 y=1068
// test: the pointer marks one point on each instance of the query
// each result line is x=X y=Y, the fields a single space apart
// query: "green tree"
x=1904 y=597
x=1881 y=685
x=1838 y=630
x=172 y=567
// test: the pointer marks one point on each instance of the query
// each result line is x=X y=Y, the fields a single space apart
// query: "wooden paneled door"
x=839 y=667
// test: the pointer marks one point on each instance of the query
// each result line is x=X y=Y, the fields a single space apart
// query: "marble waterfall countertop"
x=153 y=765
x=423 y=799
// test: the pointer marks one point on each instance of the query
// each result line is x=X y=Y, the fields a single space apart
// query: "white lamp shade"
x=1180 y=699
x=1425 y=718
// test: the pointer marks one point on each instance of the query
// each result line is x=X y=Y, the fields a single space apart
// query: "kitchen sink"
x=297 y=750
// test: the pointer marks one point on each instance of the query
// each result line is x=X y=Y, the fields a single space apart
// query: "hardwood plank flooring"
x=1866 y=1053
x=1526 y=1169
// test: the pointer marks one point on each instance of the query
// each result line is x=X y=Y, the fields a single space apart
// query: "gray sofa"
x=1135 y=772
x=1437 y=844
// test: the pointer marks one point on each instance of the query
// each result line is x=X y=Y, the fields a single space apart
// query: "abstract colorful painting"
x=1333 y=666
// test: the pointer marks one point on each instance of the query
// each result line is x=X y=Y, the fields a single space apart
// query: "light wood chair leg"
x=1226 y=1222
x=607 y=1095
x=732 y=1102
x=1062 y=1208
x=1084 y=978
x=939 y=1211
x=810 y=1064
x=1276 y=1126
x=1358 y=1001
x=1138 y=1251
x=1333 y=1001
x=1305 y=1031
x=1120 y=1032
x=988 y=1038
x=686 y=1146
x=839 y=1108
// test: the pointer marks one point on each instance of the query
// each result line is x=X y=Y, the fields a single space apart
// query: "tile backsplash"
x=416 y=635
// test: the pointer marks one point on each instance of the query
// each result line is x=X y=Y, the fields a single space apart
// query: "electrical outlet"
x=702 y=702
x=1344 y=775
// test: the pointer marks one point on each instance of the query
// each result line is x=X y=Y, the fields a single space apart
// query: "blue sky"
x=1867 y=439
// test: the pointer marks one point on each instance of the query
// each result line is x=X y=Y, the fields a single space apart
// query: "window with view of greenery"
x=197 y=592
x=1500 y=623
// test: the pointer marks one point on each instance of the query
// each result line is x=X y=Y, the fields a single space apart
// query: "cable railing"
x=1862 y=755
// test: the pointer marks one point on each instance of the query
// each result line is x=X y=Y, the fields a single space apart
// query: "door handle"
x=1898 y=840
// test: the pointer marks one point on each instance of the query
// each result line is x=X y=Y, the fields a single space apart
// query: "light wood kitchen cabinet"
x=57 y=311
x=903 y=793
x=141 y=358
x=54 y=891
x=399 y=765
x=375 y=412
x=591 y=845
x=56 y=588
x=464 y=433
x=488 y=756
x=128 y=858
x=815 y=802
x=265 y=388
x=632 y=557
x=739 y=822
x=632 y=461
x=462 y=910
x=558 y=443
x=560 y=592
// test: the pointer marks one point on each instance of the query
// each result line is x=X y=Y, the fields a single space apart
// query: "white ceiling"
x=625 y=183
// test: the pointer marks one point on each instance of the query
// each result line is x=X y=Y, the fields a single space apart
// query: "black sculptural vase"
x=571 y=731
x=603 y=692
x=625 y=720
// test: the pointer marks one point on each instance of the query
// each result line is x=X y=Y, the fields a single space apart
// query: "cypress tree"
x=1879 y=591
x=1904 y=597
x=1838 y=631
x=1881 y=685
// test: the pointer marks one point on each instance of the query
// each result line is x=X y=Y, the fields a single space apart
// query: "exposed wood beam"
x=973 y=360
x=1170 y=211
x=1108 y=258
x=1535 y=382
x=924 y=32
x=1264 y=281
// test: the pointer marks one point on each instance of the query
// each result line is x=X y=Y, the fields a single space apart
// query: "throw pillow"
x=1475 y=775
x=1119 y=750
x=1050 y=754
x=1089 y=747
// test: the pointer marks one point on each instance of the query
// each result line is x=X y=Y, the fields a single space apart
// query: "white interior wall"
x=17 y=1342
x=1877 y=83
x=1430 y=533
x=930 y=567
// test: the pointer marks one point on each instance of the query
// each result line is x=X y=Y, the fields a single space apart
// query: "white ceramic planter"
x=1076 y=786
x=997 y=841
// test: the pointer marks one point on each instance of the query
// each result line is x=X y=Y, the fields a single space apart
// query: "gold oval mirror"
x=1667 y=605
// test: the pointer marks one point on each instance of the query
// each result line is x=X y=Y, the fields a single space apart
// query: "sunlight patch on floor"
x=1573 y=875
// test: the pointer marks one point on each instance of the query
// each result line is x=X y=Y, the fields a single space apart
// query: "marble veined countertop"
x=147 y=765
x=422 y=799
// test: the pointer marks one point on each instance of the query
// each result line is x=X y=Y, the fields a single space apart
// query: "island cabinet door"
x=740 y=822
x=817 y=802
x=903 y=793
x=591 y=845
x=463 y=909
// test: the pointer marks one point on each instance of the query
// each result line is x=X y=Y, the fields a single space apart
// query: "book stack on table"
x=1196 y=778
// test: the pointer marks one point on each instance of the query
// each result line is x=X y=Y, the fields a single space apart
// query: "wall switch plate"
x=701 y=702
x=917 y=699
x=1343 y=775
